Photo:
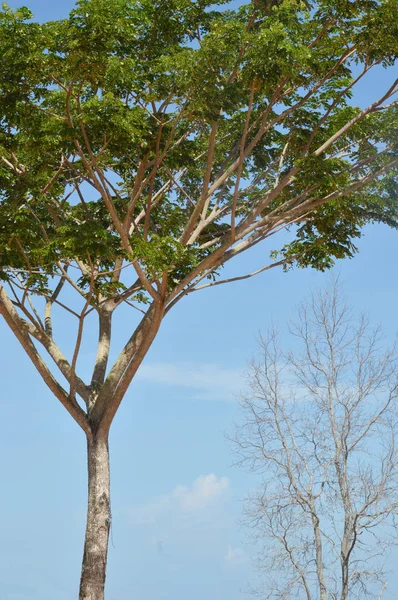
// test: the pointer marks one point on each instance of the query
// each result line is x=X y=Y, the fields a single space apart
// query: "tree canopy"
x=145 y=144
x=198 y=131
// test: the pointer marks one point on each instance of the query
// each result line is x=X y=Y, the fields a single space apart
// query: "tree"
x=143 y=145
x=320 y=423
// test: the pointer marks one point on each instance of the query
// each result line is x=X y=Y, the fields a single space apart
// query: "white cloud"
x=235 y=556
x=205 y=491
x=210 y=382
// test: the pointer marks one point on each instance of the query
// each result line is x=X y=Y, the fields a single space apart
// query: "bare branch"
x=320 y=425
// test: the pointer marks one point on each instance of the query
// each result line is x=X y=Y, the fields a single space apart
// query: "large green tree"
x=144 y=144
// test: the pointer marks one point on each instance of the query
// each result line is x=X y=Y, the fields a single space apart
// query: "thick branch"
x=124 y=369
x=104 y=343
x=15 y=323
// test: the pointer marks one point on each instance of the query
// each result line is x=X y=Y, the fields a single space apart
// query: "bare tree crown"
x=319 y=423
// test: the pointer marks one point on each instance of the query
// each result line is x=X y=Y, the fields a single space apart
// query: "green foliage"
x=123 y=82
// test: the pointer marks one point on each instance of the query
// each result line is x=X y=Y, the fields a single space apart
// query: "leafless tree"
x=320 y=426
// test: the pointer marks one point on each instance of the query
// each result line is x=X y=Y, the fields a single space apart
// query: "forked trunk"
x=92 y=581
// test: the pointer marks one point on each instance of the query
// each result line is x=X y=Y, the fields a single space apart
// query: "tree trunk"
x=92 y=582
x=344 y=579
x=319 y=555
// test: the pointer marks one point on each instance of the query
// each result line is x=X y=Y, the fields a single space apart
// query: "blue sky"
x=176 y=498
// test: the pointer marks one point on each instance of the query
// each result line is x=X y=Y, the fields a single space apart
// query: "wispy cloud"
x=205 y=491
x=207 y=381
x=235 y=556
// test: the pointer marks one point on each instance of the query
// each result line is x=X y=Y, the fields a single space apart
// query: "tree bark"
x=319 y=555
x=344 y=559
x=92 y=582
